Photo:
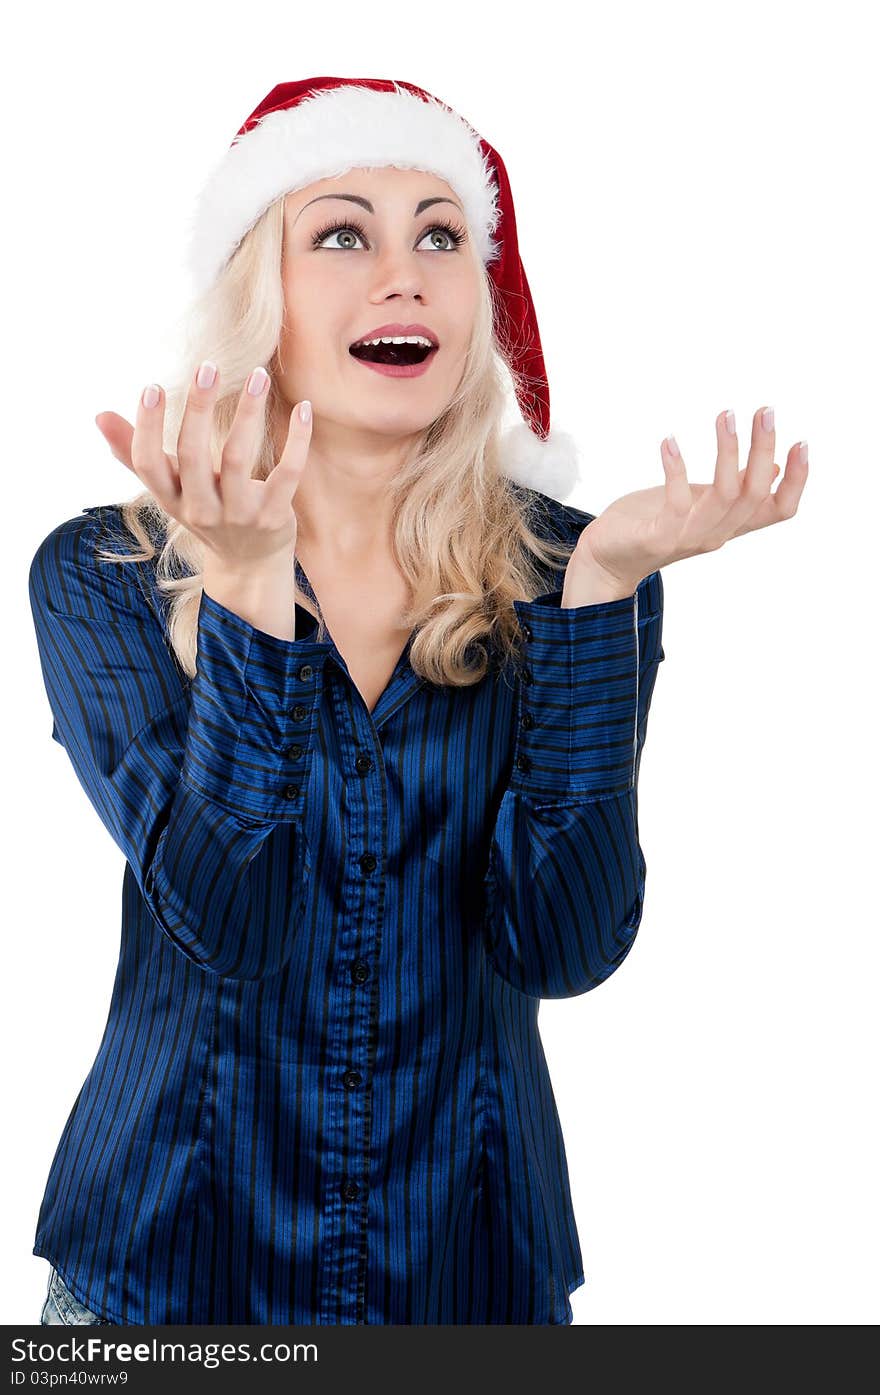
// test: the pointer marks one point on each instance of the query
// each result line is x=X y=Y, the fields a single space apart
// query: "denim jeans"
x=61 y=1307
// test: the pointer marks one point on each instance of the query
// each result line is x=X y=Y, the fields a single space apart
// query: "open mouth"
x=396 y=355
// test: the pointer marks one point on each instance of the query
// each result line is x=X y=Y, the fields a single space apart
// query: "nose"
x=398 y=277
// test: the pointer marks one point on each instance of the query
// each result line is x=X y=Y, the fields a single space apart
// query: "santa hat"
x=322 y=127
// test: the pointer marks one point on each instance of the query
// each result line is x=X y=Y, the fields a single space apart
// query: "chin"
x=400 y=423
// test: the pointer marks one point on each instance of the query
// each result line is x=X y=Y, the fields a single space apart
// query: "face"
x=348 y=270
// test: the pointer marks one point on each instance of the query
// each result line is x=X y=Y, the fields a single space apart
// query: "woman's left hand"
x=641 y=532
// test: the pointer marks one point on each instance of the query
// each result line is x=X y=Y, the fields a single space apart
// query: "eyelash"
x=457 y=234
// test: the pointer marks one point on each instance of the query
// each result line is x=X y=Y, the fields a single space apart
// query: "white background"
x=696 y=199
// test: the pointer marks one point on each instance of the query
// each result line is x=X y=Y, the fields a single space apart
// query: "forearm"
x=201 y=785
x=264 y=596
x=566 y=875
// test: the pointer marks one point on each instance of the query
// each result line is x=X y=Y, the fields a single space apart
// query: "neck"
x=343 y=500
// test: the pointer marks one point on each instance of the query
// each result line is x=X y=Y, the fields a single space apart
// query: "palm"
x=646 y=505
x=650 y=528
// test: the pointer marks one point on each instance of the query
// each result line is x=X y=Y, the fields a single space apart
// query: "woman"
x=374 y=803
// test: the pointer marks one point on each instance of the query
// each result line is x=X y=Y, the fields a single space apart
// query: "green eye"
x=456 y=235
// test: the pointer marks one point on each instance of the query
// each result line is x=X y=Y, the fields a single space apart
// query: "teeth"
x=400 y=339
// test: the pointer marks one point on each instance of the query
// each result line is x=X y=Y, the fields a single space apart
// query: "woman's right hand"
x=244 y=523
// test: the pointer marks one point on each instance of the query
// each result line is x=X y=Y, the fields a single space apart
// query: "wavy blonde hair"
x=462 y=532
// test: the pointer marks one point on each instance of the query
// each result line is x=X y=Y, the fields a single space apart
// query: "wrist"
x=263 y=595
x=587 y=584
x=264 y=569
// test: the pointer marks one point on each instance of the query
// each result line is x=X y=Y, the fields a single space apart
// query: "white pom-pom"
x=550 y=466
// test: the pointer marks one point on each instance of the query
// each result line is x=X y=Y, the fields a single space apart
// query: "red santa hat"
x=322 y=127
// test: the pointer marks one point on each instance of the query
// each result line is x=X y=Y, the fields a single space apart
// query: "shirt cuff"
x=578 y=698
x=253 y=716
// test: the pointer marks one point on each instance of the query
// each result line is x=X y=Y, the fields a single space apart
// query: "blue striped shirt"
x=321 y=1095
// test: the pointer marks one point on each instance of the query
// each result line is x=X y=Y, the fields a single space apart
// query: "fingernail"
x=767 y=419
x=805 y=454
x=672 y=444
x=206 y=374
x=257 y=382
x=150 y=395
x=305 y=411
x=730 y=423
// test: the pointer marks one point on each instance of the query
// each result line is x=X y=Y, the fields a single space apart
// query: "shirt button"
x=349 y=1190
x=360 y=972
x=305 y=673
x=290 y=791
x=294 y=752
x=526 y=631
x=299 y=712
x=368 y=862
x=523 y=763
x=352 y=1079
x=363 y=764
x=527 y=721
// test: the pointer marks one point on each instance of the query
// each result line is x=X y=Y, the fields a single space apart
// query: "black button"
x=363 y=764
x=349 y=1190
x=305 y=673
x=360 y=972
x=523 y=763
x=352 y=1079
x=526 y=631
x=527 y=721
x=294 y=752
x=368 y=862
x=290 y=791
x=299 y=713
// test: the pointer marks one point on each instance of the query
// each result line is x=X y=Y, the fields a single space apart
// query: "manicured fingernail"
x=305 y=411
x=672 y=444
x=767 y=418
x=730 y=423
x=206 y=374
x=150 y=395
x=257 y=382
x=805 y=454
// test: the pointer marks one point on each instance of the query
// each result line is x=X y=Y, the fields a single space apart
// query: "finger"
x=727 y=460
x=754 y=482
x=677 y=499
x=283 y=480
x=759 y=471
x=787 y=494
x=242 y=443
x=117 y=432
x=149 y=460
x=783 y=502
x=198 y=478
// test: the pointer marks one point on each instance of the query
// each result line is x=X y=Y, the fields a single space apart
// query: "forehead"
x=387 y=186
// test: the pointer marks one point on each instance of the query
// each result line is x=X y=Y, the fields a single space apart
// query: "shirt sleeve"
x=201 y=783
x=566 y=877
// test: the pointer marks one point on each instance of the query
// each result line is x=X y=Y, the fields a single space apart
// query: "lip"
x=399 y=370
x=397 y=329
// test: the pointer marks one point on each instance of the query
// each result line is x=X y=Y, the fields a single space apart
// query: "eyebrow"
x=365 y=203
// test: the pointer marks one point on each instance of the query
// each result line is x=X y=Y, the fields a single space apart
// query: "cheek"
x=316 y=314
x=461 y=305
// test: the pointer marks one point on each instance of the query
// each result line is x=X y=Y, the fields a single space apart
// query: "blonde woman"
x=364 y=709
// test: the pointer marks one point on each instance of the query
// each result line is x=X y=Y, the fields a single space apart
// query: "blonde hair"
x=462 y=531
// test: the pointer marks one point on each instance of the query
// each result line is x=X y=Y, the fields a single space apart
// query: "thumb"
x=118 y=433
